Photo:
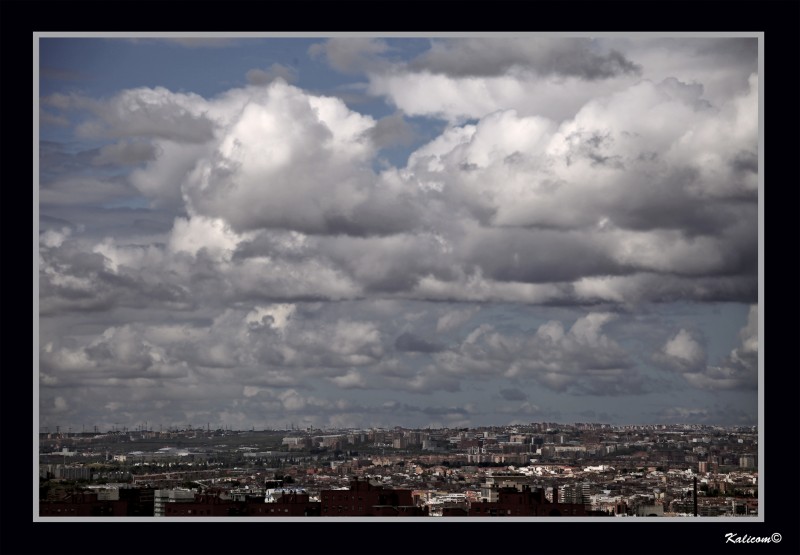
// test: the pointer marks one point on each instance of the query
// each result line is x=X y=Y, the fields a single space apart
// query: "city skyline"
x=602 y=470
x=151 y=427
x=377 y=231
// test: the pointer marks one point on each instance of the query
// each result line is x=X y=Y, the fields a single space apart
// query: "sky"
x=390 y=231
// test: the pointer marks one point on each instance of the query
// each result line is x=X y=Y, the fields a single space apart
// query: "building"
x=65 y=472
x=289 y=504
x=747 y=461
x=272 y=494
x=525 y=502
x=164 y=497
x=201 y=505
x=447 y=501
x=296 y=443
x=116 y=500
x=140 y=500
x=293 y=503
x=368 y=498
x=577 y=492
x=650 y=510
x=83 y=504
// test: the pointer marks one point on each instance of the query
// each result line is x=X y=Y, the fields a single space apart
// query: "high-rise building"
x=747 y=461
x=577 y=492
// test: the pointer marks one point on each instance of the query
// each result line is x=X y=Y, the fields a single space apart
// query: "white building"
x=650 y=510
x=62 y=472
x=273 y=494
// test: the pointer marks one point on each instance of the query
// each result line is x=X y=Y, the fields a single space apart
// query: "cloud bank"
x=256 y=245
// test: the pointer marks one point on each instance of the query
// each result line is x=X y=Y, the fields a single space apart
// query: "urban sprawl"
x=534 y=470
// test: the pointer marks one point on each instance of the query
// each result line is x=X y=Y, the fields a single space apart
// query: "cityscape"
x=534 y=470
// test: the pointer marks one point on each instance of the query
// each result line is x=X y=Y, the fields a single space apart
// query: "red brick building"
x=365 y=498
x=140 y=500
x=83 y=504
x=203 y=505
x=289 y=504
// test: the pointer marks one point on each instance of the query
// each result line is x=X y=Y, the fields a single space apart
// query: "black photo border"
x=779 y=20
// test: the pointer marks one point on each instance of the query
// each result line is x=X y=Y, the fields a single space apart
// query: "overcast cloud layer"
x=365 y=231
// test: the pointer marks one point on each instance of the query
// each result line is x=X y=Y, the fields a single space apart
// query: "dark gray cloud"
x=48 y=118
x=721 y=65
x=513 y=395
x=108 y=218
x=125 y=153
x=745 y=163
x=72 y=279
x=58 y=159
x=85 y=191
x=388 y=264
x=350 y=54
x=737 y=51
x=668 y=288
x=391 y=131
x=536 y=256
x=140 y=112
x=582 y=58
x=376 y=215
x=412 y=343
x=50 y=222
